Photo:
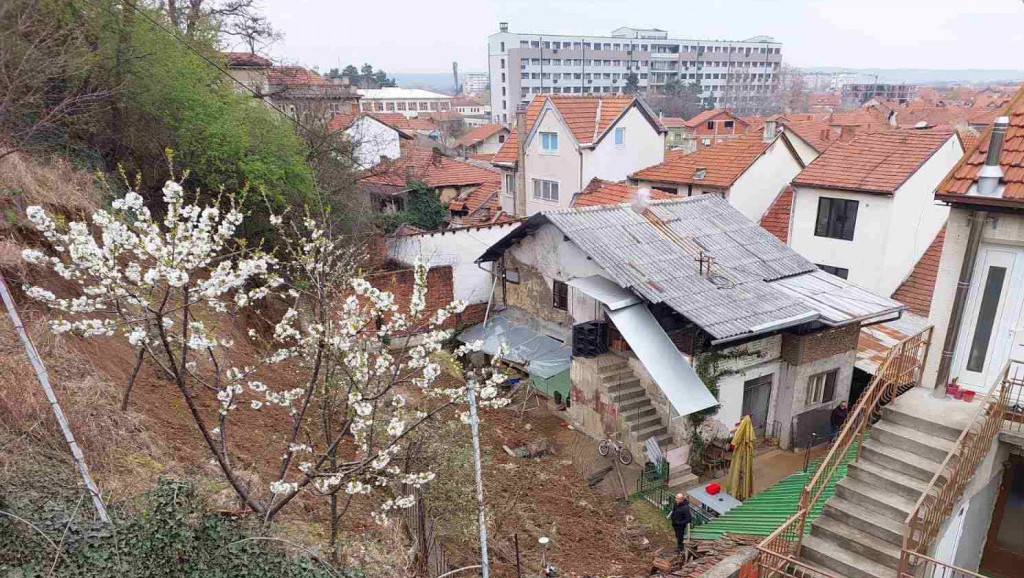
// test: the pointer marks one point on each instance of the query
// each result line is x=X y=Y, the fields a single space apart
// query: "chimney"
x=641 y=200
x=990 y=174
x=519 y=199
x=503 y=26
x=847 y=132
x=771 y=127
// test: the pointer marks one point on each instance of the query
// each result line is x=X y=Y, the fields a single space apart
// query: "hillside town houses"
x=620 y=253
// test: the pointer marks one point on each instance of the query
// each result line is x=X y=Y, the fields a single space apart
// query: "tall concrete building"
x=736 y=74
x=474 y=83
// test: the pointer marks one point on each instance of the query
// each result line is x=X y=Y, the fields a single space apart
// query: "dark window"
x=836 y=218
x=670 y=190
x=560 y=296
x=986 y=318
x=711 y=123
x=837 y=271
x=728 y=123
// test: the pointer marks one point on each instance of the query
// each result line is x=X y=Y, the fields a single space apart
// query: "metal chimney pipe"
x=990 y=174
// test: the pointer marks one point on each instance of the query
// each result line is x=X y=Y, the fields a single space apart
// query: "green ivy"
x=175 y=534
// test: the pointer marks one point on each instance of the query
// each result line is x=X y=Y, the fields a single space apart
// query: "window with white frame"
x=510 y=184
x=821 y=388
x=620 y=136
x=549 y=142
x=545 y=190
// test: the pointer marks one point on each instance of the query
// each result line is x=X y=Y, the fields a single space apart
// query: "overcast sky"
x=417 y=36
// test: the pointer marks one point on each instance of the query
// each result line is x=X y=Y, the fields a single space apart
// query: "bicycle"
x=625 y=456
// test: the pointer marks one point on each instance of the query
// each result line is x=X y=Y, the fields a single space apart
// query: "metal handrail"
x=946 y=487
x=900 y=371
x=947 y=570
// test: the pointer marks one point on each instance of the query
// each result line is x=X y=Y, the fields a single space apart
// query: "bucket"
x=968 y=396
x=958 y=394
x=951 y=389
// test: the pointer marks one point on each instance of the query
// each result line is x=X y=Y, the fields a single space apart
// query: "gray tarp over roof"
x=542 y=356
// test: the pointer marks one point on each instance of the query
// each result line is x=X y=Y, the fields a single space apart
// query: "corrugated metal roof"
x=876 y=340
x=837 y=300
x=655 y=256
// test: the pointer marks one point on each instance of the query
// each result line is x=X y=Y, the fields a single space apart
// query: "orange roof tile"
x=916 y=290
x=421 y=164
x=673 y=122
x=341 y=121
x=602 y=192
x=959 y=180
x=294 y=76
x=478 y=134
x=724 y=163
x=246 y=59
x=477 y=198
x=587 y=117
x=702 y=117
x=876 y=163
x=776 y=218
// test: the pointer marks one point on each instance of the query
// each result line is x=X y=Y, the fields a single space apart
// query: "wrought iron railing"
x=922 y=525
x=653 y=476
x=925 y=566
x=900 y=371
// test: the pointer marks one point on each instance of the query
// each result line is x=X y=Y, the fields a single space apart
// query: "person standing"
x=839 y=415
x=681 y=517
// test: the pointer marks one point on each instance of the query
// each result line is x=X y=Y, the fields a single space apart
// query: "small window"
x=711 y=123
x=549 y=141
x=560 y=295
x=545 y=190
x=837 y=218
x=821 y=388
x=699 y=173
x=837 y=271
x=501 y=138
x=620 y=136
x=728 y=123
x=510 y=184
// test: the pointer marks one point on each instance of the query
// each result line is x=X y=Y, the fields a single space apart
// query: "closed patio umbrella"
x=740 y=482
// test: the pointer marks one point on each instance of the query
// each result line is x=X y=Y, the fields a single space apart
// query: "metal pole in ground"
x=44 y=380
x=473 y=424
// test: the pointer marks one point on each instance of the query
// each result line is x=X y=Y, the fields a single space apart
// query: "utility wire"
x=207 y=60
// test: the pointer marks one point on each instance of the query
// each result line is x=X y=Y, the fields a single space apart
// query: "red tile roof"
x=587 y=117
x=246 y=59
x=673 y=122
x=342 y=120
x=875 y=163
x=776 y=218
x=818 y=134
x=959 y=180
x=701 y=118
x=724 y=163
x=436 y=171
x=916 y=291
x=294 y=76
x=602 y=192
x=479 y=134
x=486 y=195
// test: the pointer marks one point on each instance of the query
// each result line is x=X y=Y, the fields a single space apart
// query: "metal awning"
x=605 y=291
x=662 y=359
x=876 y=340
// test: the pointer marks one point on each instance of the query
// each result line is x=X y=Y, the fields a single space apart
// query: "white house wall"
x=491 y=144
x=460 y=249
x=757 y=188
x=870 y=241
x=562 y=166
x=805 y=151
x=643 y=147
x=373 y=140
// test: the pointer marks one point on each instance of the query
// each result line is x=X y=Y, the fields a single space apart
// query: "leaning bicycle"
x=608 y=444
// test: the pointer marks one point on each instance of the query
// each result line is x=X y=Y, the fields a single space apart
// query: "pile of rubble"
x=701 y=556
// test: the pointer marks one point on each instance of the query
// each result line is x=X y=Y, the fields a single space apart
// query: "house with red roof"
x=374 y=140
x=864 y=211
x=306 y=96
x=485 y=139
x=749 y=172
x=714 y=127
x=983 y=246
x=569 y=140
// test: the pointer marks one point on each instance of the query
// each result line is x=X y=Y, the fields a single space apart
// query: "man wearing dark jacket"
x=680 y=517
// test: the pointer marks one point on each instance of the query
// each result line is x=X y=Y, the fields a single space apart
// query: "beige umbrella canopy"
x=740 y=482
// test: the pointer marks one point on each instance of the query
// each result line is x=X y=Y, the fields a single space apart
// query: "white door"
x=994 y=308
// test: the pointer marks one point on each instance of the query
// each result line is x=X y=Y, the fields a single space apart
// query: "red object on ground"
x=713 y=488
x=958 y=394
x=968 y=396
x=951 y=389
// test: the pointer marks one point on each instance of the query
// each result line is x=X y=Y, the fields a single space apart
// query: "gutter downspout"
x=963 y=285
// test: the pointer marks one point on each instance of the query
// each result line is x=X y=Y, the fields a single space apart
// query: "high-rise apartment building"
x=474 y=83
x=736 y=74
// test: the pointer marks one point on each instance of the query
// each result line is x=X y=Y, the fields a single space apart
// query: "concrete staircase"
x=630 y=399
x=860 y=531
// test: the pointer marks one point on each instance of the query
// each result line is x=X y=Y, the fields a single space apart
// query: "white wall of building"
x=643 y=147
x=491 y=144
x=757 y=188
x=562 y=166
x=459 y=248
x=805 y=151
x=373 y=140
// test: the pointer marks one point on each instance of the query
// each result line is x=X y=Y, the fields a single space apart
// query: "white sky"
x=418 y=36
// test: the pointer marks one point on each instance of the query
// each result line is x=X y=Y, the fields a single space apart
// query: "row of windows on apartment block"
x=639 y=64
x=643 y=76
x=655 y=48
x=389 y=106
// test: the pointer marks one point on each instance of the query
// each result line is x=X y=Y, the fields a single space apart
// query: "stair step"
x=665 y=441
x=616 y=366
x=682 y=483
x=864 y=519
x=645 y=423
x=912 y=440
x=897 y=415
x=877 y=475
x=874 y=498
x=651 y=431
x=900 y=460
x=628 y=394
x=857 y=541
x=629 y=407
x=831 y=556
x=621 y=384
x=639 y=414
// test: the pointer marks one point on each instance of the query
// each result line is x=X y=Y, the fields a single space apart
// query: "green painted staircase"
x=761 y=514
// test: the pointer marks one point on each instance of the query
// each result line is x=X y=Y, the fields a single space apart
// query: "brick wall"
x=440 y=288
x=801 y=349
